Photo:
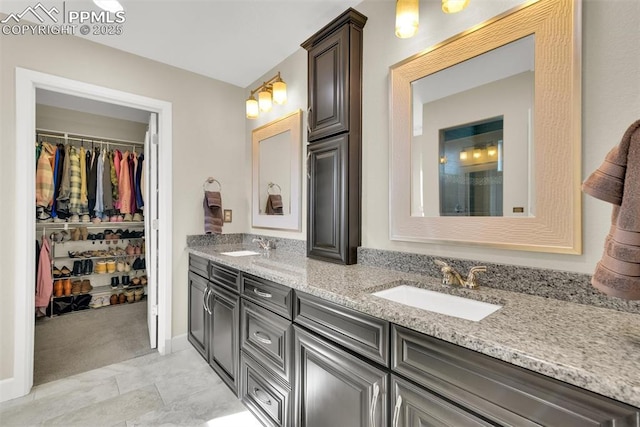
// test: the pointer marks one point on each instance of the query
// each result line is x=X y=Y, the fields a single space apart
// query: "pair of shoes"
x=111 y=266
x=135 y=281
x=85 y=218
x=74 y=218
x=115 y=282
x=58 y=290
x=101 y=267
x=138 y=264
x=76 y=286
x=85 y=287
x=96 y=220
x=125 y=281
x=128 y=217
x=130 y=295
x=62 y=272
x=138 y=293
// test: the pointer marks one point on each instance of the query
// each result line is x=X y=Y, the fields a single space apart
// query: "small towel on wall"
x=274 y=204
x=213 y=219
x=617 y=181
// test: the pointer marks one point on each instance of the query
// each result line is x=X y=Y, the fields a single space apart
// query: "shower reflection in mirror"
x=471 y=179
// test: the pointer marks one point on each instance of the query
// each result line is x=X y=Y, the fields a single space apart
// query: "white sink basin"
x=437 y=302
x=240 y=253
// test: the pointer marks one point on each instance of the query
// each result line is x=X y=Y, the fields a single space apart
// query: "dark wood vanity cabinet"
x=214 y=316
x=335 y=139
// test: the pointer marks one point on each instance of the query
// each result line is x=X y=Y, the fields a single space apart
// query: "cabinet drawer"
x=499 y=391
x=359 y=332
x=264 y=395
x=413 y=405
x=199 y=265
x=225 y=276
x=267 y=337
x=268 y=294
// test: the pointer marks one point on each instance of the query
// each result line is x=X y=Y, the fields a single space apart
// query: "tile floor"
x=151 y=390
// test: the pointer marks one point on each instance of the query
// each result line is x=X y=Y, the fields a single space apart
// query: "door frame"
x=27 y=81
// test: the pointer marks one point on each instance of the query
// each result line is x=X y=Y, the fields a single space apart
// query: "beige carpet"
x=84 y=340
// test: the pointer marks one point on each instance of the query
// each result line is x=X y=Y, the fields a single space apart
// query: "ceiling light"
x=453 y=6
x=407 y=17
x=112 y=6
x=273 y=90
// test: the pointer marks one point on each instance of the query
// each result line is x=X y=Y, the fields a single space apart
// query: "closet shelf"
x=89 y=225
x=102 y=290
x=122 y=240
x=115 y=273
x=80 y=258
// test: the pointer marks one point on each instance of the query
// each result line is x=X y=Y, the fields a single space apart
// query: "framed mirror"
x=485 y=134
x=276 y=164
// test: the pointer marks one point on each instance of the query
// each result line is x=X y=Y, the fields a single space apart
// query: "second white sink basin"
x=240 y=253
x=438 y=302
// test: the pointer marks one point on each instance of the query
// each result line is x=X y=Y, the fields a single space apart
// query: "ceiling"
x=233 y=41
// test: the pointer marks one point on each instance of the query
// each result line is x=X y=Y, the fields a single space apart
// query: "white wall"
x=610 y=103
x=208 y=136
x=293 y=71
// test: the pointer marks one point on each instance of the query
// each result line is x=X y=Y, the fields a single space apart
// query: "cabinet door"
x=223 y=338
x=415 y=407
x=326 y=228
x=198 y=315
x=335 y=388
x=329 y=86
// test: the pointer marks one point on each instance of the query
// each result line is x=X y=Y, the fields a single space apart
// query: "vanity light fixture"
x=454 y=6
x=407 y=18
x=273 y=90
x=112 y=6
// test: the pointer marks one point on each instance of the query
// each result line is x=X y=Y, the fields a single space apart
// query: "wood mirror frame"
x=555 y=224
x=292 y=221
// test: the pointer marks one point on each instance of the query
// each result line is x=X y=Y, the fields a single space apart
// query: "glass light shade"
x=463 y=155
x=492 y=150
x=264 y=100
x=477 y=153
x=112 y=6
x=453 y=6
x=279 y=92
x=407 y=18
x=252 y=108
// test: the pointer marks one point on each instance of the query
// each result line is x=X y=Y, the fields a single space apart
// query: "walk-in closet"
x=91 y=249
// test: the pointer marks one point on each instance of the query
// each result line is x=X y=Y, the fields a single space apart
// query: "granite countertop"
x=590 y=347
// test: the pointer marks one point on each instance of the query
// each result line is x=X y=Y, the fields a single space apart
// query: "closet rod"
x=87 y=138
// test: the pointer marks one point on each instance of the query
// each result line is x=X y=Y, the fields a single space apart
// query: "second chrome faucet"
x=451 y=277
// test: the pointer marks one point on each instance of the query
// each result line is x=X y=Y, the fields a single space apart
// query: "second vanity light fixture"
x=273 y=90
x=408 y=15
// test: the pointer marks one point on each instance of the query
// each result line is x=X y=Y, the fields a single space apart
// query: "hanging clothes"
x=115 y=177
x=138 y=186
x=65 y=183
x=44 y=176
x=92 y=180
x=124 y=184
x=44 y=281
x=107 y=187
x=75 y=180
x=133 y=164
x=56 y=181
x=99 y=207
x=84 y=201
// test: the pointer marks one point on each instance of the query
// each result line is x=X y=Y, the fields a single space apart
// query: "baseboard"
x=10 y=389
x=179 y=343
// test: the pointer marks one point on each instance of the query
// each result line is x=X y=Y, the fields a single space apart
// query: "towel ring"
x=271 y=185
x=209 y=181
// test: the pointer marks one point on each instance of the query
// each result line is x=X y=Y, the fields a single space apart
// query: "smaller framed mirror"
x=276 y=165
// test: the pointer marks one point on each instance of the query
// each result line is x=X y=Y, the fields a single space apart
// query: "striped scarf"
x=44 y=176
x=74 y=181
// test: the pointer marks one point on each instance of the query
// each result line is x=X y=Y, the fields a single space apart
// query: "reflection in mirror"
x=274 y=182
x=460 y=115
x=471 y=169
x=444 y=185
x=276 y=164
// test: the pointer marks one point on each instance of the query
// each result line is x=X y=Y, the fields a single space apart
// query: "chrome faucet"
x=265 y=243
x=451 y=277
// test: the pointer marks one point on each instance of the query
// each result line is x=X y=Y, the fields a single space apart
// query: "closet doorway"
x=157 y=227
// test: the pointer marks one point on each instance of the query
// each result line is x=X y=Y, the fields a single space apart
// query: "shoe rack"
x=95 y=264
